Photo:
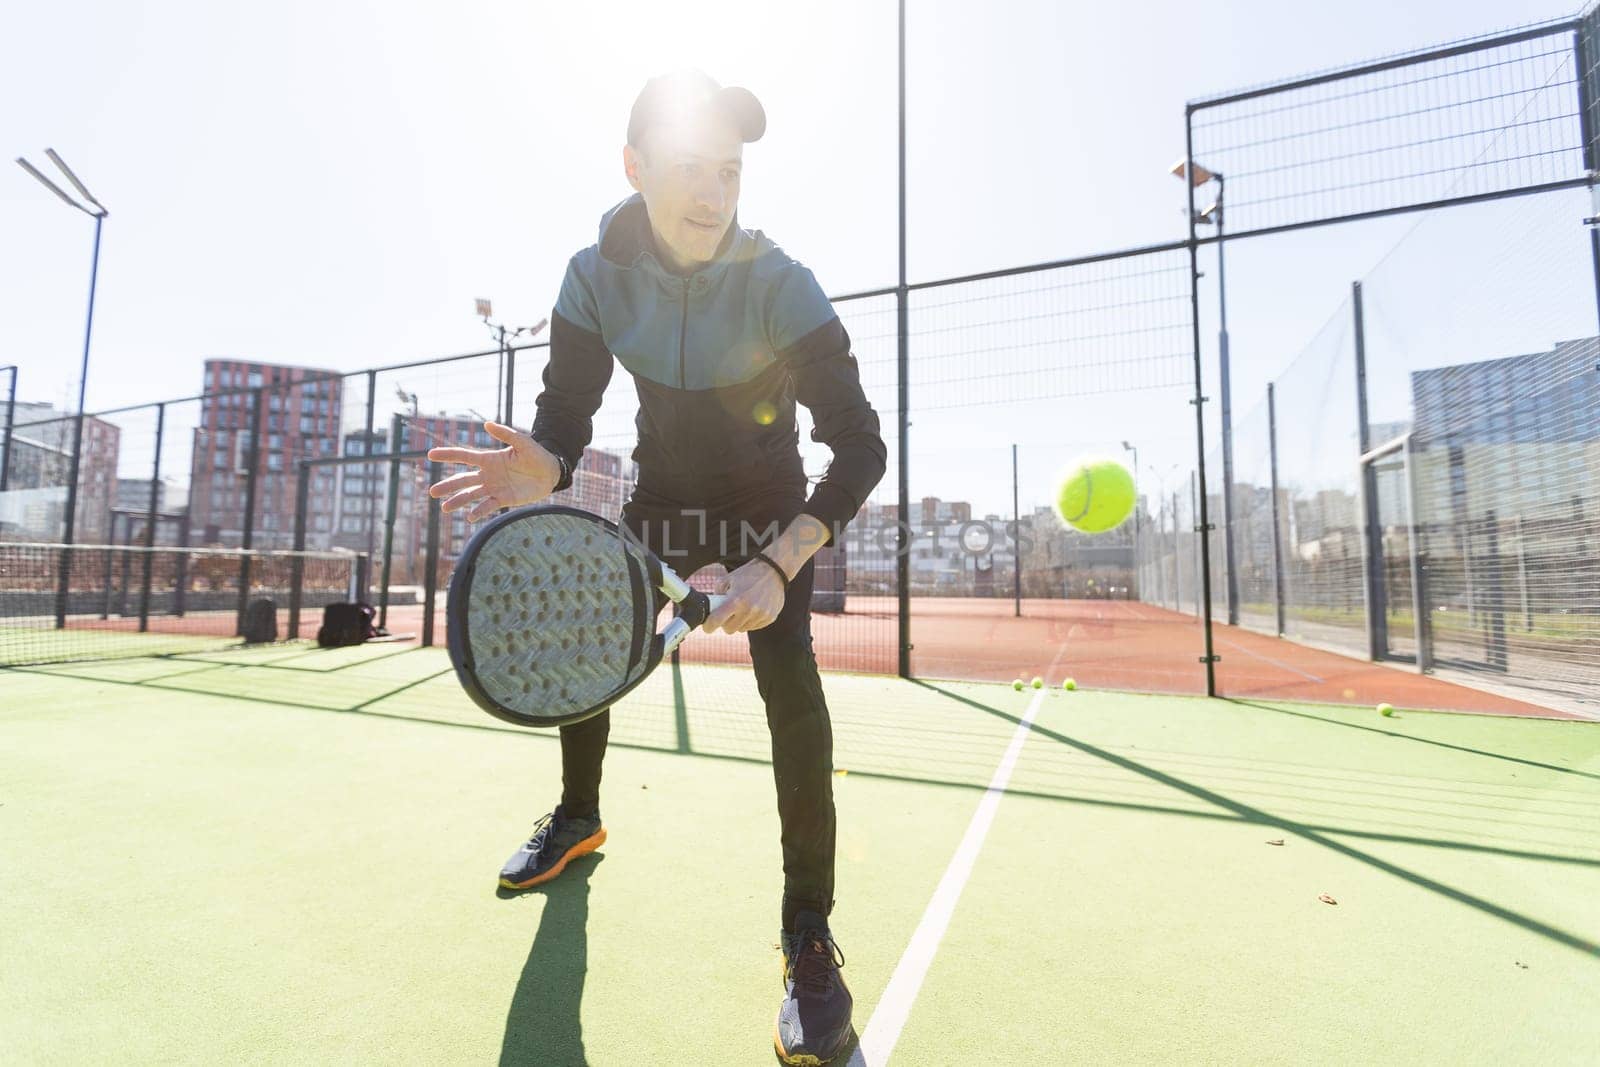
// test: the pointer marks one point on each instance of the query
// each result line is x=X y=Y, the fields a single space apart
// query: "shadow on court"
x=1249 y=813
x=544 y=1024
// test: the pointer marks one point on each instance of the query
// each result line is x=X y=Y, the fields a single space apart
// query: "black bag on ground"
x=345 y=624
x=260 y=622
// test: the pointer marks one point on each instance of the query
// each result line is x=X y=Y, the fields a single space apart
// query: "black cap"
x=688 y=94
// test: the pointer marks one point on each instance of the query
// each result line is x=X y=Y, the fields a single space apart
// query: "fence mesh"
x=1462 y=549
x=120 y=601
x=1464 y=553
x=1081 y=361
x=1484 y=117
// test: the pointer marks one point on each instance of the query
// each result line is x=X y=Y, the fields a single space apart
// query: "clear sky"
x=333 y=182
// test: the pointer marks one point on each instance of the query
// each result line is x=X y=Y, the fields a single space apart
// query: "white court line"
x=894 y=1007
x=1269 y=660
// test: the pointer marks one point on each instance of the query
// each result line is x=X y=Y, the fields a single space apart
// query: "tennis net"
x=62 y=603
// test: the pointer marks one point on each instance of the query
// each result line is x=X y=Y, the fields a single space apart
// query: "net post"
x=302 y=498
x=1277 y=518
x=1371 y=530
x=431 y=567
x=150 y=522
x=246 y=537
x=395 y=427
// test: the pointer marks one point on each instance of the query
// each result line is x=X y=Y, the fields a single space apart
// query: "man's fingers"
x=467 y=496
x=486 y=506
x=455 y=483
x=452 y=454
x=501 y=432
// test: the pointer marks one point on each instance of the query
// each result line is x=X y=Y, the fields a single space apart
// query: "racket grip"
x=695 y=607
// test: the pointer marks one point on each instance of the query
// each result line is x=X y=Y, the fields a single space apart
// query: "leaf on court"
x=1326 y=899
x=1276 y=841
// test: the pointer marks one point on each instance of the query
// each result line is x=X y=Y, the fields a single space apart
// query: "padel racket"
x=552 y=615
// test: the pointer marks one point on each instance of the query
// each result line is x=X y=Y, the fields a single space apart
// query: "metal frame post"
x=1202 y=526
x=1522 y=576
x=1177 y=557
x=511 y=381
x=903 y=389
x=297 y=564
x=1371 y=528
x=1420 y=618
x=11 y=418
x=70 y=518
x=105 y=579
x=182 y=576
x=1581 y=57
x=247 y=534
x=396 y=425
x=1230 y=559
x=150 y=524
x=430 y=568
x=366 y=468
x=1277 y=520
x=1016 y=539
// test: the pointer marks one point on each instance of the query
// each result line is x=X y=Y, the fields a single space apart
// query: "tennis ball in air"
x=1386 y=710
x=1095 y=495
x=1038 y=683
x=1070 y=684
x=1016 y=683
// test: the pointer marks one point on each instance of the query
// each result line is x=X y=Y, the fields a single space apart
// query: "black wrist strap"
x=769 y=561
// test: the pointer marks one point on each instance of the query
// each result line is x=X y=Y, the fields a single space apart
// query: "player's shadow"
x=544 y=1025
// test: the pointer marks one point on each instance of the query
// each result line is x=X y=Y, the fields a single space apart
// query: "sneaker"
x=557 y=840
x=814 y=1020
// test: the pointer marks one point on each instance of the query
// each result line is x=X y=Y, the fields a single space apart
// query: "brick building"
x=298 y=419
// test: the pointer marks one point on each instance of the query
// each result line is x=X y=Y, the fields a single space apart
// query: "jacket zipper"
x=683 y=335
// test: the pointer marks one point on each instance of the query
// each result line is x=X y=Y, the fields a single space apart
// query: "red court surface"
x=1101 y=644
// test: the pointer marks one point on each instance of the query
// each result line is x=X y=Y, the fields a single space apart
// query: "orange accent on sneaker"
x=582 y=848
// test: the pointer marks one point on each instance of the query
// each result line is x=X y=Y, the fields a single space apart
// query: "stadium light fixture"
x=1195 y=174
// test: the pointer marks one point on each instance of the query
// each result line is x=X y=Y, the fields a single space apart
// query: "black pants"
x=731 y=531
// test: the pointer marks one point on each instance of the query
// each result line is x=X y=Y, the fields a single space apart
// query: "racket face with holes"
x=552 y=615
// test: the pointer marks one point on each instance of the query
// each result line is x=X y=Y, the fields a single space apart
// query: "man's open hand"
x=755 y=596
x=523 y=472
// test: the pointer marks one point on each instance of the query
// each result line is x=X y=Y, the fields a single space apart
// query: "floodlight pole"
x=1224 y=364
x=98 y=213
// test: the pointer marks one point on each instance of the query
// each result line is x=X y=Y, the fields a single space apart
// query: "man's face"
x=689 y=177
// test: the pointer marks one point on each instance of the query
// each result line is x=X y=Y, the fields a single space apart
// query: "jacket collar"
x=627 y=241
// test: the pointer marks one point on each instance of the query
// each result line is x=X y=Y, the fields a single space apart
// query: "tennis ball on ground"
x=1016 y=684
x=1386 y=710
x=1070 y=684
x=1038 y=683
x=1095 y=495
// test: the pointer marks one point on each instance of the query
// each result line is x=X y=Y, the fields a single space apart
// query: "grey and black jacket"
x=719 y=358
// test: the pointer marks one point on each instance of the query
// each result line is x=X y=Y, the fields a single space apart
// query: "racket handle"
x=681 y=627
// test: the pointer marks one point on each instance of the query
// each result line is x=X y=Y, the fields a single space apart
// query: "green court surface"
x=286 y=855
